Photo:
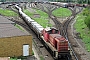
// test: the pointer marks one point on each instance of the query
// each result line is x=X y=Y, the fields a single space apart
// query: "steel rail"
x=66 y=36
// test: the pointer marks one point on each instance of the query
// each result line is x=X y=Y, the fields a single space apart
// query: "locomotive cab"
x=48 y=31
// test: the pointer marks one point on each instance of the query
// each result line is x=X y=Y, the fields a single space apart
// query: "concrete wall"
x=13 y=46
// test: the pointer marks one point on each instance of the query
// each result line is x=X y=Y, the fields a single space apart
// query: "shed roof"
x=7 y=29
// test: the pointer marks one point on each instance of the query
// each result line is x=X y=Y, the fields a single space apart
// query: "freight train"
x=56 y=44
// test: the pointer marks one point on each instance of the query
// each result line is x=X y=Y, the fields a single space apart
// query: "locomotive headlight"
x=56 y=54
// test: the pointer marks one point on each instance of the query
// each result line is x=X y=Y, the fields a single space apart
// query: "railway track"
x=63 y=28
x=65 y=34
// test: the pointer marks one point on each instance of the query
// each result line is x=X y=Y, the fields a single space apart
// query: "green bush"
x=82 y=28
x=32 y=53
x=86 y=11
x=7 y=12
x=13 y=58
x=87 y=21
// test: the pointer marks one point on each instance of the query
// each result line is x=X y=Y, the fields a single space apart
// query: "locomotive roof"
x=58 y=36
x=47 y=29
x=50 y=28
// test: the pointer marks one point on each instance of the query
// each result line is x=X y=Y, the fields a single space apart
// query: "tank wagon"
x=56 y=44
x=66 y=5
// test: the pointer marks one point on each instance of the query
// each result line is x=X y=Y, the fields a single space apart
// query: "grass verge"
x=19 y=27
x=13 y=58
x=83 y=30
x=62 y=12
x=42 y=20
x=6 y=12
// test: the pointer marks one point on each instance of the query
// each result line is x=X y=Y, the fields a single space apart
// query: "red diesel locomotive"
x=57 y=43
